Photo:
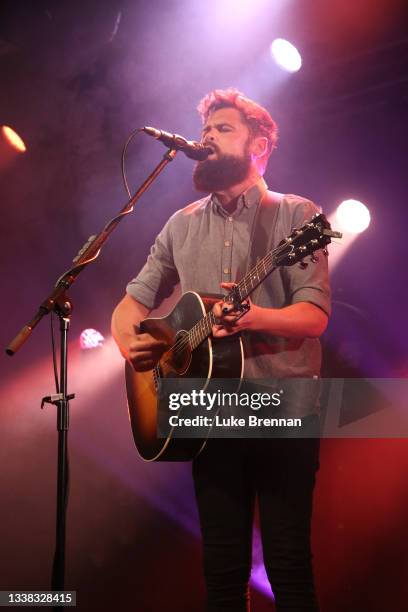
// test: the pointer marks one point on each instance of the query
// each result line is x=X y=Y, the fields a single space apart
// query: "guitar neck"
x=254 y=277
x=203 y=328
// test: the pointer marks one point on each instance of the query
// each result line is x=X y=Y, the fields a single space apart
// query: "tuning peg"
x=314 y=258
x=325 y=252
x=303 y=265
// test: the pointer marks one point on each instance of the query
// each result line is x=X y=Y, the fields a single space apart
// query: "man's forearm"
x=126 y=320
x=300 y=320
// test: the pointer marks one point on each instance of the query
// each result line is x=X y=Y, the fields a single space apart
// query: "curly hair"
x=255 y=116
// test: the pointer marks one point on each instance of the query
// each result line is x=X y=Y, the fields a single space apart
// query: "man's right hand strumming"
x=144 y=352
x=140 y=349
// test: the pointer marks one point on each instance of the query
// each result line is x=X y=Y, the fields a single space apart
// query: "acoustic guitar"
x=194 y=353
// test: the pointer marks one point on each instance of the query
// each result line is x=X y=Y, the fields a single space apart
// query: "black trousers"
x=228 y=475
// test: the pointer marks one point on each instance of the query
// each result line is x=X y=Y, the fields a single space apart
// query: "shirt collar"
x=248 y=198
x=254 y=194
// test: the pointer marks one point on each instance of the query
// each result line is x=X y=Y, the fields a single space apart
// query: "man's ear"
x=259 y=146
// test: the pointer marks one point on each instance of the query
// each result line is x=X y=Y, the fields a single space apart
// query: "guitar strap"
x=263 y=232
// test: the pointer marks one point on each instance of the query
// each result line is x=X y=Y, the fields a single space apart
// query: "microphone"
x=191 y=148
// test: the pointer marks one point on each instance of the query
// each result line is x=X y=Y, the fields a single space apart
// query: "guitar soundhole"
x=181 y=353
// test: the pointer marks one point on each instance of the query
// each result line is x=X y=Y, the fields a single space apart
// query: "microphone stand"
x=59 y=302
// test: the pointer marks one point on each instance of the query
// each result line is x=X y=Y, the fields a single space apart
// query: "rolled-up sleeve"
x=309 y=284
x=159 y=275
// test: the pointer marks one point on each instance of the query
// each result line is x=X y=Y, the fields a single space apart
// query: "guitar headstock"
x=314 y=235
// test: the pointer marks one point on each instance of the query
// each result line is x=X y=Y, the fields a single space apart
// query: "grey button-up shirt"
x=203 y=245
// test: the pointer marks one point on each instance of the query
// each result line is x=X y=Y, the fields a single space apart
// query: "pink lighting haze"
x=231 y=13
x=353 y=216
x=90 y=338
x=286 y=55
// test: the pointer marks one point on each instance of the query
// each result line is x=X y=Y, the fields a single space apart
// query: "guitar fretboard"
x=202 y=329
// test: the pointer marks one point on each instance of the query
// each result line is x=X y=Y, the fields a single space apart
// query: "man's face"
x=230 y=162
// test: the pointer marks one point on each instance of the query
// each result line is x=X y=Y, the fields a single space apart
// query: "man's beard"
x=221 y=173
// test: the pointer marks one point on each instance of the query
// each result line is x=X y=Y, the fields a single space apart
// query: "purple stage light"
x=90 y=339
x=259 y=579
x=286 y=55
x=353 y=216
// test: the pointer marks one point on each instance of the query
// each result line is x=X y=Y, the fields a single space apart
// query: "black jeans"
x=228 y=475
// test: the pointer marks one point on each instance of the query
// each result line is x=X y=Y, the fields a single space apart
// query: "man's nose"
x=209 y=136
x=209 y=140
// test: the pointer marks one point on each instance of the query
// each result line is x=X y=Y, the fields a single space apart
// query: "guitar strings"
x=183 y=342
x=200 y=326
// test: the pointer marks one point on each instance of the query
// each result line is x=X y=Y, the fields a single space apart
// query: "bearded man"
x=204 y=246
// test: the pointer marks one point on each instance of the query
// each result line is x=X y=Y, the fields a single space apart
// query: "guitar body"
x=211 y=359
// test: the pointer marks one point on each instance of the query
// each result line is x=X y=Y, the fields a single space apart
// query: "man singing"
x=205 y=246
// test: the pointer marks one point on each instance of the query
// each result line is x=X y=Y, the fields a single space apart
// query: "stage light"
x=286 y=55
x=13 y=139
x=352 y=216
x=90 y=339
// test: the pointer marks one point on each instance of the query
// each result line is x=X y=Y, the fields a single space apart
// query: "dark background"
x=75 y=79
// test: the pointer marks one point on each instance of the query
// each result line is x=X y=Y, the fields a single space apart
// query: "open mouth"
x=213 y=150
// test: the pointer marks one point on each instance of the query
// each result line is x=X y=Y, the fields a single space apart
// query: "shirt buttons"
x=227 y=243
x=226 y=270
